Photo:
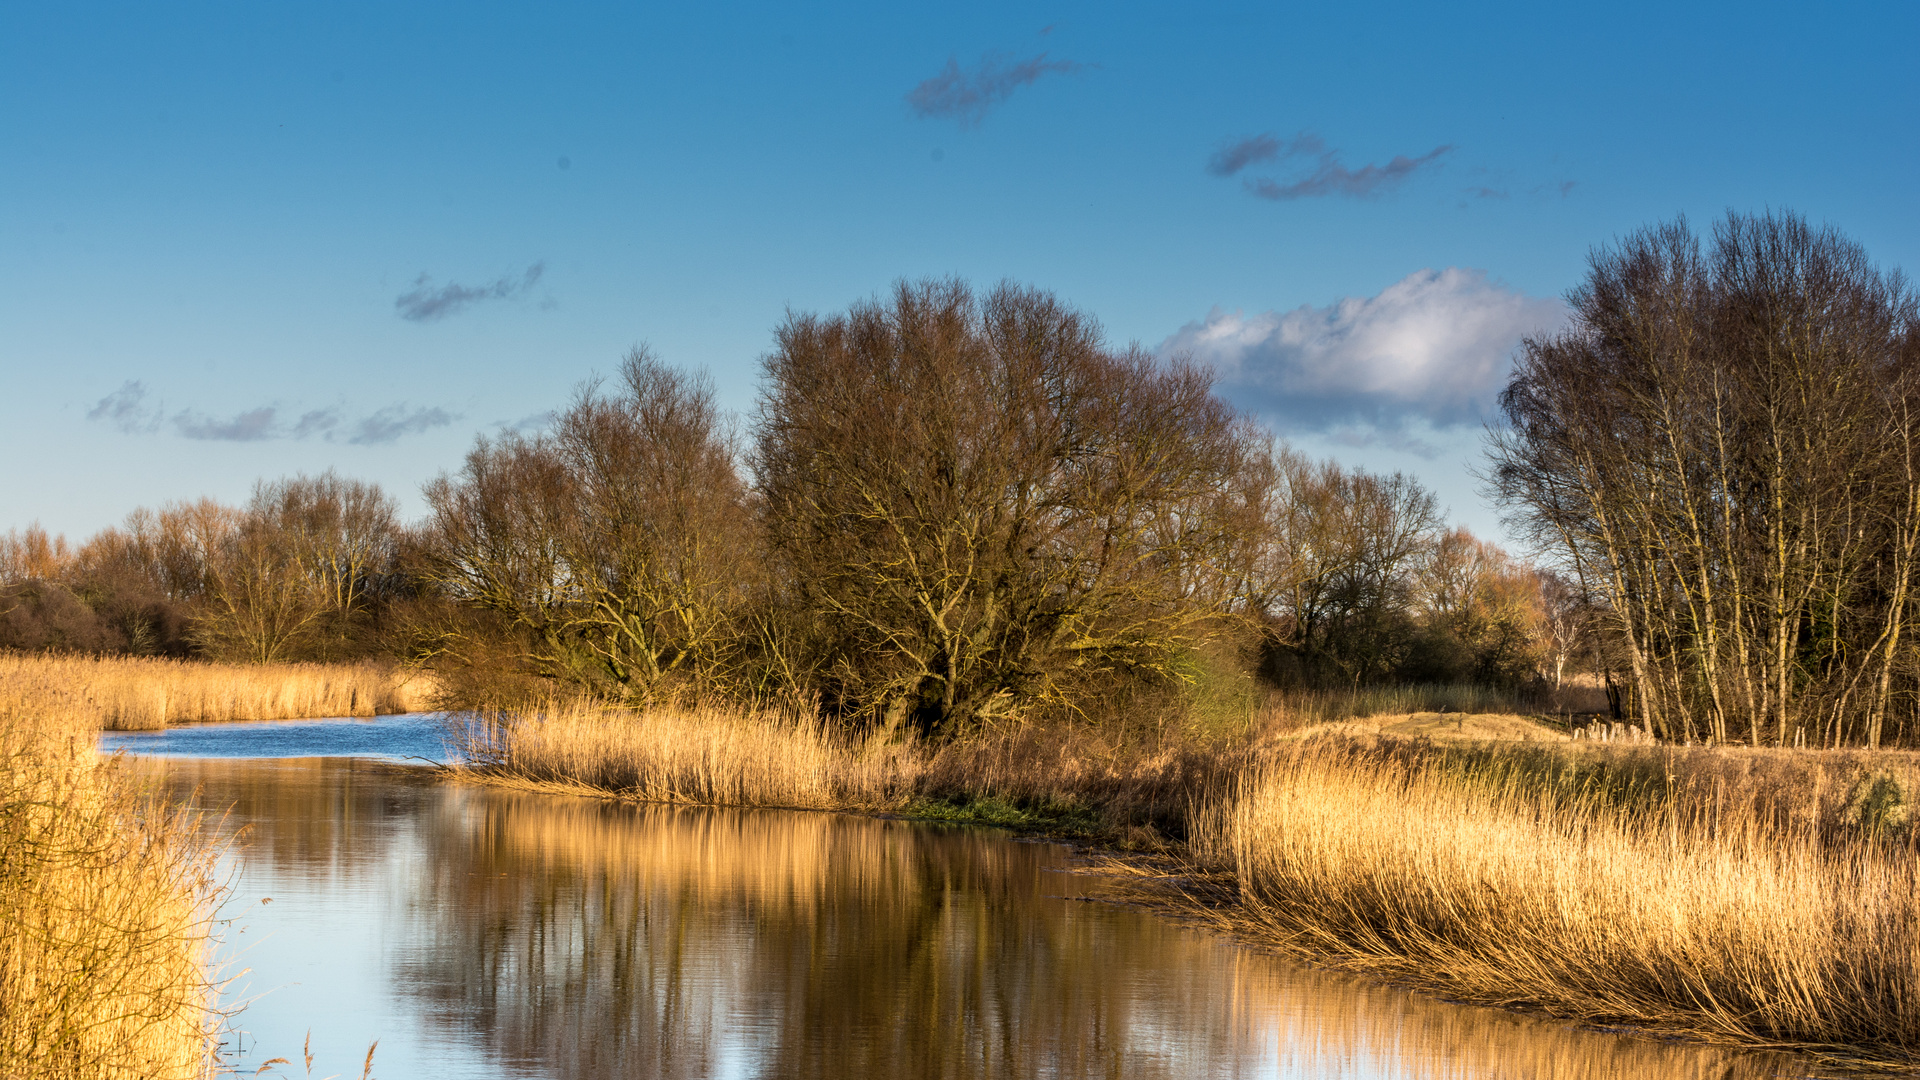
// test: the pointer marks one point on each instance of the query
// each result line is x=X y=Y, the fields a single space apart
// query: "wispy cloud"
x=316 y=422
x=1233 y=157
x=127 y=409
x=130 y=410
x=531 y=422
x=253 y=425
x=1316 y=169
x=1329 y=177
x=426 y=302
x=967 y=96
x=1434 y=347
x=394 y=421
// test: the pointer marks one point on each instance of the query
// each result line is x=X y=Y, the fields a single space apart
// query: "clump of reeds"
x=136 y=693
x=709 y=756
x=106 y=901
x=1061 y=775
x=1685 y=914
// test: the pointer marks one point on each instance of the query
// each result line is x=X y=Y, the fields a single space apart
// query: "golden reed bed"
x=106 y=902
x=131 y=694
x=1685 y=914
x=1707 y=902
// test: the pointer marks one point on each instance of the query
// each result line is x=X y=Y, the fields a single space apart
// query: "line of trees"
x=303 y=571
x=1721 y=450
x=951 y=509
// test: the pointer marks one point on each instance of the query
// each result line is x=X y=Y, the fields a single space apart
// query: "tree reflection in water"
x=579 y=938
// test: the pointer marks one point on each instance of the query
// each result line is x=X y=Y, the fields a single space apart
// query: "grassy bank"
x=1692 y=909
x=129 y=694
x=106 y=899
x=1756 y=897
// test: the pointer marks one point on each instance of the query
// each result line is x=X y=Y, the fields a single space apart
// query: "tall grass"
x=1069 y=775
x=127 y=694
x=106 y=898
x=705 y=756
x=1680 y=914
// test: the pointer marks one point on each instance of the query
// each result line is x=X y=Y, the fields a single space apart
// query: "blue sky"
x=245 y=240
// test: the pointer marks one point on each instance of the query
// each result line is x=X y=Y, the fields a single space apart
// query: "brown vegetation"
x=981 y=509
x=106 y=905
x=1070 y=776
x=1724 y=448
x=966 y=511
x=132 y=693
x=615 y=552
x=306 y=571
x=1695 y=910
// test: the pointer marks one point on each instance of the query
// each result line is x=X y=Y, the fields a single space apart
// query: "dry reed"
x=706 y=756
x=1682 y=917
x=1066 y=776
x=106 y=901
x=130 y=693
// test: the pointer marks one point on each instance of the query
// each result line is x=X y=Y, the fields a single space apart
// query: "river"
x=477 y=932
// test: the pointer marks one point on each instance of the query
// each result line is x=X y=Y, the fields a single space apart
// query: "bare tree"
x=621 y=544
x=1337 y=553
x=338 y=539
x=984 y=504
x=1723 y=442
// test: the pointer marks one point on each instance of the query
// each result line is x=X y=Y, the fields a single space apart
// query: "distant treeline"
x=950 y=509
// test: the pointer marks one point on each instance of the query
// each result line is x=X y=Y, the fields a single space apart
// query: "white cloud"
x=1435 y=346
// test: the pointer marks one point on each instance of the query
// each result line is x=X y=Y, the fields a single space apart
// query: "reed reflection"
x=609 y=940
x=661 y=941
x=578 y=938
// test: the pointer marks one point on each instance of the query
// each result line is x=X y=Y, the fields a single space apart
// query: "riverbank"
x=1751 y=897
x=145 y=693
x=106 y=908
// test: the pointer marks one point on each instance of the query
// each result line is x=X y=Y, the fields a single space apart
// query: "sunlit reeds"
x=706 y=756
x=719 y=757
x=106 y=901
x=132 y=693
x=1680 y=913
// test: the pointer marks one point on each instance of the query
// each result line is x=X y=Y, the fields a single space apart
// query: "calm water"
x=417 y=738
x=481 y=933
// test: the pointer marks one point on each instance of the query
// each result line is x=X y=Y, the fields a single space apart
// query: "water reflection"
x=481 y=932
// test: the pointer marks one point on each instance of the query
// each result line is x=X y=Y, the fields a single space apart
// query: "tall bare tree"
x=1724 y=443
x=984 y=504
